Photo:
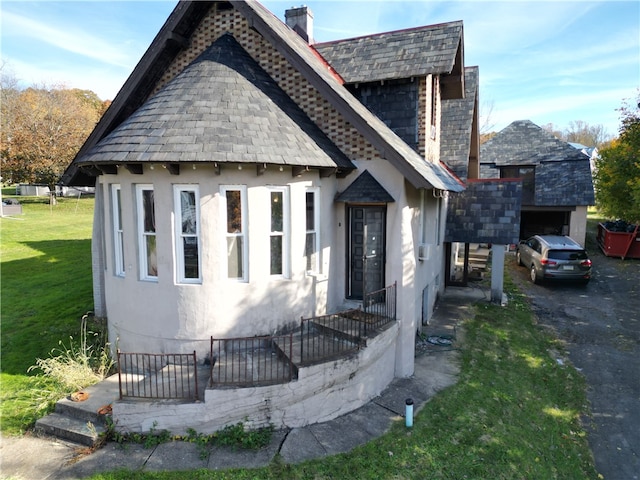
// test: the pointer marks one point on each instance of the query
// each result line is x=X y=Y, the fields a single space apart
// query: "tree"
x=43 y=129
x=580 y=132
x=617 y=174
x=588 y=135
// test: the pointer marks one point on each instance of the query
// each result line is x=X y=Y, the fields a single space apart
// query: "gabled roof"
x=434 y=49
x=420 y=173
x=365 y=189
x=174 y=35
x=456 y=126
x=222 y=108
x=562 y=173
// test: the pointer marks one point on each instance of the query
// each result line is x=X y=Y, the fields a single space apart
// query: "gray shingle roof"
x=400 y=54
x=180 y=25
x=456 y=124
x=562 y=173
x=365 y=189
x=420 y=173
x=221 y=108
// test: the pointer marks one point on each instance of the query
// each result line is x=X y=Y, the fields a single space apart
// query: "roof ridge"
x=390 y=32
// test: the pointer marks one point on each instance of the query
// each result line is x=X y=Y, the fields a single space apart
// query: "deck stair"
x=478 y=260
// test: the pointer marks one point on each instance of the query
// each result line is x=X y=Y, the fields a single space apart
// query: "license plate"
x=567 y=267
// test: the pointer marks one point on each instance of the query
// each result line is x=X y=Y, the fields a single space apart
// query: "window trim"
x=244 y=234
x=117 y=230
x=317 y=269
x=180 y=235
x=142 y=235
x=285 y=233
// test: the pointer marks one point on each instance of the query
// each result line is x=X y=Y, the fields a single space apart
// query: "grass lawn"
x=514 y=413
x=45 y=289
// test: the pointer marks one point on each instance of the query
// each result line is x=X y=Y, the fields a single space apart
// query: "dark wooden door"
x=366 y=252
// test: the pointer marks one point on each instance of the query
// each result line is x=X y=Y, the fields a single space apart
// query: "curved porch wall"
x=164 y=316
x=321 y=393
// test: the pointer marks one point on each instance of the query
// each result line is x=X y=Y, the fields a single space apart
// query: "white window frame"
x=243 y=234
x=142 y=235
x=429 y=239
x=180 y=235
x=286 y=221
x=316 y=268
x=117 y=229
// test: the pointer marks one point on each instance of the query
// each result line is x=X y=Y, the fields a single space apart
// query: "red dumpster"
x=625 y=244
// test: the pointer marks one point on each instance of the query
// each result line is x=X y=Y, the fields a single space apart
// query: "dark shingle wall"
x=396 y=104
x=457 y=121
x=486 y=212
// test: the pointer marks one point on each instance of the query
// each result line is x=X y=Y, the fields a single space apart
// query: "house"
x=246 y=177
x=556 y=178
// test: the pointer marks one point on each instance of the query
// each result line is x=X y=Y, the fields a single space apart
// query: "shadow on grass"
x=43 y=300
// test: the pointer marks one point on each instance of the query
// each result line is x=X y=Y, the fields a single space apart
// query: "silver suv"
x=554 y=257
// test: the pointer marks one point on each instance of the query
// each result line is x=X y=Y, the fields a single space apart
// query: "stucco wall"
x=166 y=316
x=578 y=224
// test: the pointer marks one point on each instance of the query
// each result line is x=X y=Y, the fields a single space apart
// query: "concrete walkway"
x=436 y=368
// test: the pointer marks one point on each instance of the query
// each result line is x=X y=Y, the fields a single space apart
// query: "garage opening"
x=544 y=222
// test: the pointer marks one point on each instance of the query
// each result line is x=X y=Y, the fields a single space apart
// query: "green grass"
x=513 y=414
x=45 y=289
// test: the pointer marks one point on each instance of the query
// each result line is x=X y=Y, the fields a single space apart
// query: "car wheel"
x=534 y=275
x=518 y=258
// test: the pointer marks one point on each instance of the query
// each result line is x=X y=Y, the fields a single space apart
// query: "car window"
x=567 y=254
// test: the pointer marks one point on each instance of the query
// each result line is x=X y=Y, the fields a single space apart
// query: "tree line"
x=42 y=128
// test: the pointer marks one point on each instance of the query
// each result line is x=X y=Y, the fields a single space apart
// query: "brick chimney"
x=301 y=21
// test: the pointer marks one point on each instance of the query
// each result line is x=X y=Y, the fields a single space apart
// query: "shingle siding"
x=486 y=212
x=457 y=122
x=396 y=104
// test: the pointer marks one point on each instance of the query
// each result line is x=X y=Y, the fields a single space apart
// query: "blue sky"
x=546 y=61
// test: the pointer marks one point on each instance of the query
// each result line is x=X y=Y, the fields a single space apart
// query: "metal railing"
x=158 y=375
x=380 y=306
x=338 y=334
x=252 y=361
x=330 y=336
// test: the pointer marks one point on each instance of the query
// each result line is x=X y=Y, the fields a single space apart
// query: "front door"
x=366 y=251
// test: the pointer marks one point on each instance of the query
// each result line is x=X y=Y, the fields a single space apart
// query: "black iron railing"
x=338 y=334
x=158 y=375
x=330 y=336
x=252 y=361
x=380 y=307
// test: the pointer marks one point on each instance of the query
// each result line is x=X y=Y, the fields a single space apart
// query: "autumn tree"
x=617 y=175
x=43 y=129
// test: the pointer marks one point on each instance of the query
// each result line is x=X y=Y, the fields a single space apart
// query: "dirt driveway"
x=600 y=324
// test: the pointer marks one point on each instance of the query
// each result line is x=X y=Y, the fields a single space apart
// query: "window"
x=434 y=104
x=118 y=238
x=187 y=208
x=279 y=250
x=234 y=201
x=528 y=176
x=430 y=228
x=312 y=240
x=147 y=232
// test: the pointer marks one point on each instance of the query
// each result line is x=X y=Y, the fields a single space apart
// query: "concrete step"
x=68 y=428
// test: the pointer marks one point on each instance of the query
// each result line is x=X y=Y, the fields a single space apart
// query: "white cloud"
x=66 y=38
